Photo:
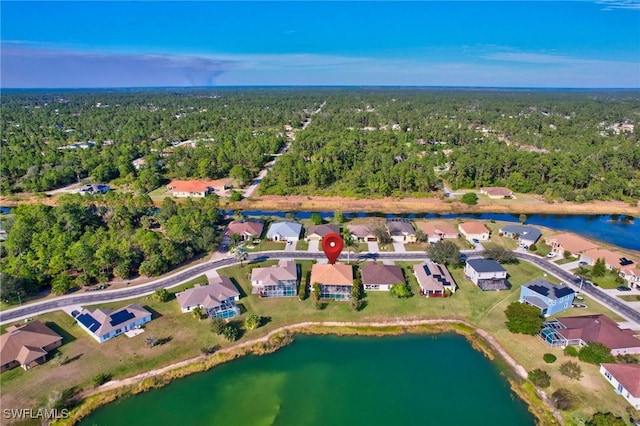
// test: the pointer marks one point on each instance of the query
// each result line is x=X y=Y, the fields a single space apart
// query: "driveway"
x=314 y=246
x=399 y=247
x=571 y=265
x=290 y=246
x=373 y=247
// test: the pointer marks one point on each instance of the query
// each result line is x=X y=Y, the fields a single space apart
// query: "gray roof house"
x=284 y=231
x=401 y=231
x=486 y=274
x=279 y=280
x=527 y=235
x=104 y=324
x=217 y=298
x=318 y=232
x=433 y=279
x=380 y=277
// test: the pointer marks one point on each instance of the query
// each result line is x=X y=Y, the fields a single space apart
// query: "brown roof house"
x=27 y=345
x=217 y=298
x=569 y=242
x=247 y=229
x=279 y=280
x=380 y=277
x=581 y=330
x=611 y=259
x=437 y=231
x=334 y=281
x=434 y=279
x=401 y=231
x=362 y=233
x=625 y=379
x=497 y=192
x=104 y=324
x=198 y=188
x=317 y=233
x=474 y=231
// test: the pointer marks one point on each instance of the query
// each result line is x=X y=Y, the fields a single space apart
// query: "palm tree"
x=198 y=312
x=350 y=243
x=241 y=254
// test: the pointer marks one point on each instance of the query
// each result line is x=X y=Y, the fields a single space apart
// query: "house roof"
x=336 y=274
x=360 y=231
x=400 y=227
x=613 y=259
x=473 y=227
x=247 y=227
x=626 y=374
x=285 y=229
x=528 y=233
x=548 y=290
x=497 y=191
x=104 y=321
x=24 y=343
x=374 y=274
x=598 y=328
x=323 y=230
x=430 y=228
x=197 y=185
x=208 y=296
x=433 y=276
x=572 y=243
x=285 y=270
x=485 y=265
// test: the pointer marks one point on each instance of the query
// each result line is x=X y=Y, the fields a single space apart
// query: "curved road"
x=178 y=278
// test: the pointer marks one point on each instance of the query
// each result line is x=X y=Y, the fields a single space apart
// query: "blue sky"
x=456 y=43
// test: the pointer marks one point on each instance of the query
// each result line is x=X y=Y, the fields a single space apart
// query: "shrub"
x=572 y=370
x=571 y=351
x=470 y=198
x=252 y=322
x=549 y=358
x=533 y=247
x=101 y=378
x=230 y=333
x=605 y=419
x=400 y=290
x=627 y=359
x=540 y=378
x=563 y=399
x=595 y=353
x=161 y=295
x=524 y=319
x=218 y=325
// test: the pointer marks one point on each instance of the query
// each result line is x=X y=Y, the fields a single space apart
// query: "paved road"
x=178 y=278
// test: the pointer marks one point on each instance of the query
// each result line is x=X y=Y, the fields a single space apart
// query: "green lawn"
x=416 y=247
x=267 y=245
x=565 y=260
x=630 y=297
x=302 y=245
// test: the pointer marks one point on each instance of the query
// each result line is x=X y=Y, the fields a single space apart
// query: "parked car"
x=475 y=241
x=583 y=263
x=551 y=254
x=624 y=288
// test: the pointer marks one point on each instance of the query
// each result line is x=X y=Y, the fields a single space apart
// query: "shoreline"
x=481 y=340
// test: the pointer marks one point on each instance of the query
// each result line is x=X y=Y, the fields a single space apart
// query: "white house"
x=474 y=231
x=104 y=324
x=526 y=235
x=486 y=274
x=217 y=298
x=284 y=231
x=380 y=277
x=625 y=379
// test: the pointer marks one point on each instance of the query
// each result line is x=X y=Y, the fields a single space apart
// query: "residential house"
x=279 y=280
x=198 y=188
x=377 y=277
x=598 y=328
x=550 y=299
x=611 y=259
x=486 y=274
x=139 y=163
x=526 y=235
x=284 y=231
x=334 y=280
x=569 y=242
x=246 y=229
x=216 y=298
x=27 y=345
x=437 y=231
x=474 y=231
x=105 y=324
x=497 y=192
x=401 y=231
x=317 y=233
x=99 y=188
x=362 y=233
x=632 y=276
x=434 y=279
x=625 y=379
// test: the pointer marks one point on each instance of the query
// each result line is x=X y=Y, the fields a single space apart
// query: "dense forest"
x=575 y=145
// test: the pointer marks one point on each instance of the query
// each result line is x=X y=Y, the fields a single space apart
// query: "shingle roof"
x=374 y=274
x=104 y=321
x=433 y=276
x=497 y=191
x=473 y=227
x=360 y=231
x=528 y=233
x=336 y=274
x=598 y=328
x=286 y=229
x=214 y=294
x=613 y=259
x=485 y=265
x=248 y=227
x=571 y=242
x=437 y=228
x=285 y=270
x=323 y=230
x=196 y=185
x=24 y=343
x=548 y=290
x=400 y=227
x=626 y=374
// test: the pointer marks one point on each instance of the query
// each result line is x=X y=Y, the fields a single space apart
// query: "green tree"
x=240 y=254
x=338 y=217
x=606 y=419
x=350 y=243
x=523 y=318
x=199 y=313
x=599 y=268
x=241 y=174
x=381 y=233
x=572 y=370
x=500 y=255
x=230 y=332
x=595 y=353
x=217 y=325
x=470 y=198
x=522 y=218
x=61 y=284
x=445 y=252
x=252 y=322
x=161 y=295
x=400 y=290
x=540 y=378
x=316 y=219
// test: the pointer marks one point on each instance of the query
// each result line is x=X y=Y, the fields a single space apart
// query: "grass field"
x=124 y=357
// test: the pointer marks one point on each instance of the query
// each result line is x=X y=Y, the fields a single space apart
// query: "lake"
x=332 y=380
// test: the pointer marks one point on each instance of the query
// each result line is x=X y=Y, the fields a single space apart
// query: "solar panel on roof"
x=88 y=321
x=624 y=261
x=427 y=270
x=120 y=317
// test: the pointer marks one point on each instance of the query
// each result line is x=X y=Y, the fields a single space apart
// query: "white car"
x=551 y=254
